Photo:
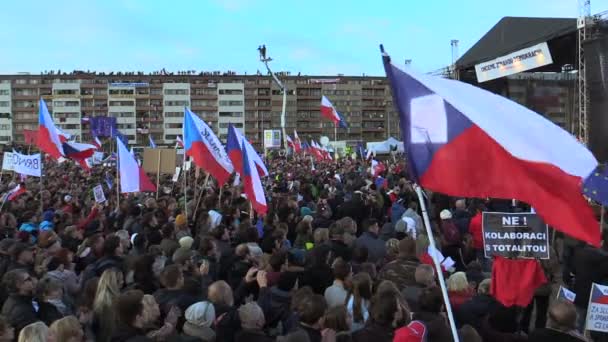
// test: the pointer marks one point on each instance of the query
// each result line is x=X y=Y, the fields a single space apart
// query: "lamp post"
x=264 y=59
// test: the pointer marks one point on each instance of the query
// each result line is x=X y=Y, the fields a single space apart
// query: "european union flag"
x=596 y=185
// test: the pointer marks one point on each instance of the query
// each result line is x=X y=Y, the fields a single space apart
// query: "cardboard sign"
x=7 y=161
x=597 y=312
x=176 y=174
x=566 y=294
x=515 y=235
x=30 y=165
x=100 y=197
x=163 y=158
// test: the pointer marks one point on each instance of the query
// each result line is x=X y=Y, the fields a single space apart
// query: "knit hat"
x=413 y=332
x=201 y=314
x=251 y=316
x=445 y=214
x=48 y=215
x=186 y=242
x=181 y=220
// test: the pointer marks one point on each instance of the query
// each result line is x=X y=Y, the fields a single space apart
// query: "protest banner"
x=7 y=161
x=100 y=197
x=159 y=159
x=27 y=164
x=564 y=293
x=515 y=235
x=597 y=311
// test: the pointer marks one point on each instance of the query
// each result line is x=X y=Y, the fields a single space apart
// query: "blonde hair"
x=35 y=332
x=458 y=282
x=321 y=235
x=108 y=290
x=66 y=328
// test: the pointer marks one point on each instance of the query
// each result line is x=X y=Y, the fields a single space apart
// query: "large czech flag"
x=234 y=144
x=465 y=141
x=252 y=183
x=49 y=140
x=205 y=148
x=133 y=178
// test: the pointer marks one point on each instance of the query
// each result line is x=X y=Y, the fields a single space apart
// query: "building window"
x=231 y=103
x=5 y=127
x=65 y=91
x=231 y=92
x=177 y=103
x=156 y=91
x=231 y=114
x=227 y=124
x=125 y=126
x=5 y=104
x=122 y=103
x=66 y=103
x=176 y=91
x=174 y=114
x=122 y=114
x=173 y=125
x=4 y=92
x=121 y=91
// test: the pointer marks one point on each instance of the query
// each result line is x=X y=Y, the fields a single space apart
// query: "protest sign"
x=100 y=197
x=97 y=158
x=7 y=161
x=566 y=294
x=27 y=164
x=176 y=174
x=515 y=235
x=162 y=159
x=597 y=312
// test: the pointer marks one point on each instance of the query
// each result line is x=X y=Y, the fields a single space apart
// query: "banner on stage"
x=515 y=235
x=7 y=161
x=597 y=311
x=27 y=164
x=525 y=59
x=566 y=294
x=100 y=197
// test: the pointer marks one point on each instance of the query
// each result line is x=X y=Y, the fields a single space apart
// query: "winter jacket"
x=48 y=313
x=401 y=272
x=276 y=305
x=590 y=266
x=167 y=298
x=457 y=298
x=19 y=311
x=476 y=232
x=252 y=336
x=461 y=219
x=126 y=333
x=374 y=332
x=437 y=326
x=474 y=311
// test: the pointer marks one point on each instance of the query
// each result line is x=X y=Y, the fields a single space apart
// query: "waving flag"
x=15 y=192
x=316 y=151
x=290 y=142
x=74 y=150
x=179 y=142
x=48 y=138
x=97 y=142
x=132 y=177
x=30 y=136
x=152 y=143
x=467 y=142
x=297 y=143
x=596 y=185
x=328 y=111
x=252 y=183
x=205 y=148
x=234 y=143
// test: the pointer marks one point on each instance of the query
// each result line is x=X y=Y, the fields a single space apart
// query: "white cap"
x=201 y=314
x=445 y=214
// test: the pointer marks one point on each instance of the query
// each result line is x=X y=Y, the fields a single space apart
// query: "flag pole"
x=185 y=174
x=158 y=174
x=444 y=291
x=200 y=196
x=336 y=142
x=117 y=177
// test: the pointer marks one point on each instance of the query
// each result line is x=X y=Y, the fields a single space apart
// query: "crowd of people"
x=340 y=256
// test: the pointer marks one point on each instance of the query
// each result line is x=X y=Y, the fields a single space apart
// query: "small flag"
x=329 y=112
x=152 y=143
x=179 y=142
x=109 y=181
x=596 y=185
x=15 y=192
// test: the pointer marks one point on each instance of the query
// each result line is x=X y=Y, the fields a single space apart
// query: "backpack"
x=451 y=234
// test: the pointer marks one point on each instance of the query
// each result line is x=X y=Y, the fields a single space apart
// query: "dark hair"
x=361 y=289
x=170 y=275
x=383 y=308
x=312 y=309
x=46 y=286
x=167 y=230
x=218 y=232
x=287 y=281
x=277 y=260
x=341 y=269
x=140 y=241
x=430 y=300
x=110 y=244
x=129 y=304
x=370 y=222
x=360 y=254
x=335 y=319
x=206 y=245
x=142 y=269
x=12 y=279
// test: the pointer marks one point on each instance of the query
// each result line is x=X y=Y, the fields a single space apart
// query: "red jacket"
x=475 y=231
x=84 y=223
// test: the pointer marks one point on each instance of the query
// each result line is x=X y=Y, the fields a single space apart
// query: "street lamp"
x=265 y=59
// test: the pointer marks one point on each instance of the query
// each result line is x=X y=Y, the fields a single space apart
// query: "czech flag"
x=205 y=148
x=97 y=142
x=15 y=192
x=48 y=135
x=290 y=142
x=132 y=177
x=252 y=183
x=234 y=144
x=297 y=143
x=464 y=141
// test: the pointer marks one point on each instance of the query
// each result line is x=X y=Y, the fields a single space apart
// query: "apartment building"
x=153 y=104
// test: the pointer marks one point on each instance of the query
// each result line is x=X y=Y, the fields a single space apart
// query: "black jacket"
x=167 y=298
x=19 y=312
x=436 y=325
x=276 y=305
x=340 y=250
x=227 y=323
x=252 y=336
x=590 y=266
x=48 y=313
x=475 y=310
x=126 y=333
x=542 y=335
x=374 y=332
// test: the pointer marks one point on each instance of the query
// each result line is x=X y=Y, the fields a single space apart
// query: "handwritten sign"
x=27 y=164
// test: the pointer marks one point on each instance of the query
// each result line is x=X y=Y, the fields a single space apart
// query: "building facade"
x=153 y=104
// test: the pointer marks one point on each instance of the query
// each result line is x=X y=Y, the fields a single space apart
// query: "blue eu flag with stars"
x=596 y=185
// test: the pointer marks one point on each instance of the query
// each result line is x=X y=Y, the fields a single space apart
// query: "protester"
x=35 y=332
x=561 y=324
x=67 y=329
